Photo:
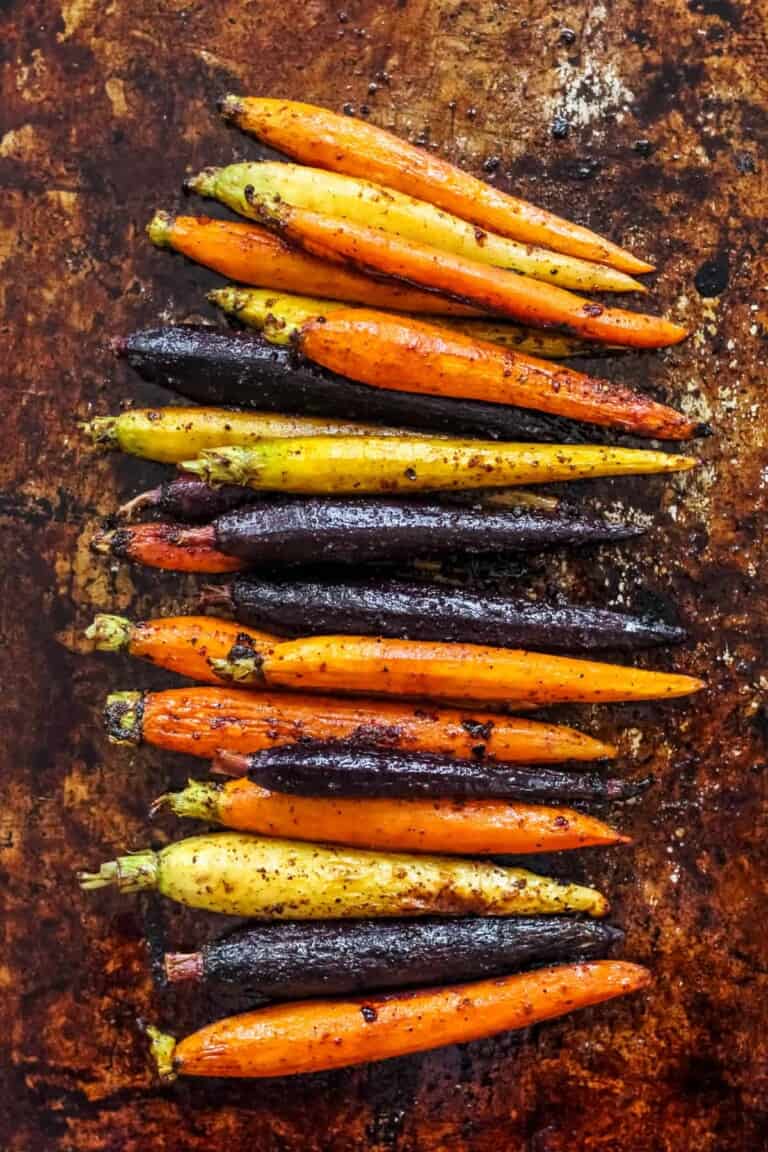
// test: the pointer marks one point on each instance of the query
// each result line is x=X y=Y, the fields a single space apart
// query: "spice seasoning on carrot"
x=351 y=531
x=316 y=1035
x=401 y=353
x=220 y=651
x=201 y=721
x=496 y=290
x=303 y=959
x=317 y=136
x=276 y=879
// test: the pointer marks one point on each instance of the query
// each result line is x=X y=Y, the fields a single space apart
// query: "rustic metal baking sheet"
x=644 y=121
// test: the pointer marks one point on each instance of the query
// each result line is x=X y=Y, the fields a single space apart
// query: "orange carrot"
x=217 y=651
x=314 y=1035
x=497 y=290
x=177 y=547
x=188 y=645
x=409 y=355
x=461 y=827
x=255 y=256
x=324 y=139
x=201 y=721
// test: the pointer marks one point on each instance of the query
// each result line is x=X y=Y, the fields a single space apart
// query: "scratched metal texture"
x=647 y=122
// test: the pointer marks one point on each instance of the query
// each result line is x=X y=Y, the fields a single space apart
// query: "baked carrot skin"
x=475 y=672
x=316 y=1035
x=220 y=651
x=456 y=827
x=175 y=547
x=187 y=645
x=202 y=720
x=322 y=138
x=411 y=356
x=496 y=290
x=252 y=255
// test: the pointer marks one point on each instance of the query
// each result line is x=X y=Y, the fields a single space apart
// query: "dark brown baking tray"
x=646 y=122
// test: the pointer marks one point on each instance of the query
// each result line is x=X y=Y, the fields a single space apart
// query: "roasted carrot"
x=426 y=611
x=188 y=645
x=358 y=771
x=200 y=721
x=275 y=879
x=290 y=961
x=455 y=827
x=402 y=354
x=220 y=651
x=238 y=185
x=496 y=290
x=316 y=1035
x=171 y=434
x=351 y=531
x=213 y=366
x=177 y=547
x=186 y=497
x=348 y=465
x=255 y=256
x=316 y=136
x=280 y=317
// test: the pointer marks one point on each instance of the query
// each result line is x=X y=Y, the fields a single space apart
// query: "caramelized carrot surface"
x=252 y=255
x=321 y=1034
x=412 y=356
x=318 y=136
x=497 y=290
x=217 y=651
x=460 y=827
x=200 y=721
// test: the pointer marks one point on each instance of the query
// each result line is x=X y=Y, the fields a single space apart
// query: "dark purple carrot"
x=352 y=769
x=329 y=958
x=351 y=531
x=214 y=366
x=413 y=611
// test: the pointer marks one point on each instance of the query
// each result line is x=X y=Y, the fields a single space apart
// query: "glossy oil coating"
x=356 y=531
x=434 y=612
x=219 y=367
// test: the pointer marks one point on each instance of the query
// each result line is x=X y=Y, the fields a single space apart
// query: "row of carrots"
x=403 y=389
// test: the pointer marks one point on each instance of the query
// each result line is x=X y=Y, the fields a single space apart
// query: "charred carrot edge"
x=393 y=352
x=322 y=138
x=187 y=645
x=312 y=1036
x=221 y=651
x=200 y=721
x=469 y=827
x=252 y=255
x=496 y=290
x=176 y=547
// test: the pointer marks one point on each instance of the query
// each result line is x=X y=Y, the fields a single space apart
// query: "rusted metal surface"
x=647 y=122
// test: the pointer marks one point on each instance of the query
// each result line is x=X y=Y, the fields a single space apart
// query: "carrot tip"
x=703 y=430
